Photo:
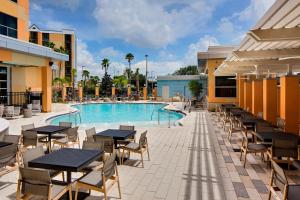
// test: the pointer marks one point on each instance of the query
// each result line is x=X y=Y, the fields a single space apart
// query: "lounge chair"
x=34 y=153
x=17 y=111
x=9 y=112
x=90 y=134
x=251 y=147
x=37 y=183
x=280 y=188
x=140 y=147
x=1 y=110
x=36 y=106
x=97 y=163
x=71 y=139
x=97 y=180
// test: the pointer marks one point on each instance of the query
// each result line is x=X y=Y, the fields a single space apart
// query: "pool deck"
x=193 y=161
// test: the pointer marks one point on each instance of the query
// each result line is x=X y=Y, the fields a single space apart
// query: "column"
x=289 y=103
x=155 y=92
x=113 y=91
x=257 y=96
x=64 y=93
x=80 y=92
x=248 y=95
x=270 y=100
x=145 y=93
x=47 y=89
x=128 y=91
x=241 y=91
x=97 y=91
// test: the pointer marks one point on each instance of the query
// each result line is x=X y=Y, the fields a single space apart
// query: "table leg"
x=49 y=143
x=69 y=177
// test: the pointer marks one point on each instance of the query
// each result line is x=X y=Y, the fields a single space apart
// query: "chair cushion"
x=93 y=178
x=258 y=147
x=92 y=165
x=132 y=145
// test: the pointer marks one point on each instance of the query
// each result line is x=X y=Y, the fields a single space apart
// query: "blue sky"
x=171 y=32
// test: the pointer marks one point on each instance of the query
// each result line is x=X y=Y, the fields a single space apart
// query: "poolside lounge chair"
x=9 y=112
x=36 y=106
x=34 y=153
x=97 y=163
x=71 y=139
x=97 y=180
x=280 y=188
x=140 y=147
x=37 y=183
x=251 y=147
x=1 y=110
x=90 y=134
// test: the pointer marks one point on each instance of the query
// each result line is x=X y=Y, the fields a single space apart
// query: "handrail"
x=158 y=116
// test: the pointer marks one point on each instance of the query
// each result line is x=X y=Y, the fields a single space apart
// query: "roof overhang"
x=31 y=49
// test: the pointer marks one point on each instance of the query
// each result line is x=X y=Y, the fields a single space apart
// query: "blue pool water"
x=119 y=113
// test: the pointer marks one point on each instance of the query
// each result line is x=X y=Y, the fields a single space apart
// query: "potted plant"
x=196 y=89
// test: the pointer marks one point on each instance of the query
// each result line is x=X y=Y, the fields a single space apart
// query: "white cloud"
x=36 y=7
x=151 y=24
x=226 y=26
x=68 y=4
x=111 y=53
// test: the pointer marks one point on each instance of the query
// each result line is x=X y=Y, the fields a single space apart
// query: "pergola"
x=270 y=49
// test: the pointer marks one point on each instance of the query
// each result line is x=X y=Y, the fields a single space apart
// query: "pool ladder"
x=158 y=117
x=75 y=114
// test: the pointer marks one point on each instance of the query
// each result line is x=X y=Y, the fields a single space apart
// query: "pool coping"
x=75 y=110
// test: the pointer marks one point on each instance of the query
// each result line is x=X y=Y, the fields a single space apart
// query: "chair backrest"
x=260 y=115
x=27 y=127
x=283 y=147
x=108 y=143
x=90 y=134
x=143 y=139
x=72 y=134
x=32 y=154
x=245 y=140
x=65 y=124
x=35 y=181
x=280 y=123
x=29 y=138
x=8 y=155
x=126 y=127
x=17 y=110
x=109 y=167
x=15 y=139
x=9 y=110
x=279 y=177
x=94 y=146
x=1 y=110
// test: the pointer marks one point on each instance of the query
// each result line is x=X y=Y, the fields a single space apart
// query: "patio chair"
x=97 y=163
x=90 y=134
x=65 y=124
x=108 y=143
x=235 y=126
x=140 y=147
x=70 y=140
x=36 y=106
x=9 y=112
x=30 y=138
x=1 y=110
x=97 y=180
x=280 y=124
x=283 y=148
x=252 y=147
x=37 y=183
x=130 y=138
x=280 y=188
x=17 y=111
x=8 y=157
x=15 y=140
x=64 y=133
x=226 y=120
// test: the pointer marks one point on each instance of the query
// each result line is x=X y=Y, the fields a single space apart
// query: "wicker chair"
x=251 y=147
x=97 y=180
x=280 y=188
x=140 y=147
x=37 y=183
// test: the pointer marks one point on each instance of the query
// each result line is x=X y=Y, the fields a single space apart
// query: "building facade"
x=24 y=66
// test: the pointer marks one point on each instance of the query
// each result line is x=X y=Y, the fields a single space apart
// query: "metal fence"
x=19 y=98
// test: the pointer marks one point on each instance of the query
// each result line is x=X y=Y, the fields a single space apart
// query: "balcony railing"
x=8 y=31
x=19 y=98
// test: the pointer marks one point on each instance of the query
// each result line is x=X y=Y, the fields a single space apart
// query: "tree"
x=106 y=84
x=120 y=83
x=195 y=88
x=73 y=75
x=105 y=64
x=129 y=57
x=128 y=73
x=85 y=76
x=188 y=70
x=137 y=81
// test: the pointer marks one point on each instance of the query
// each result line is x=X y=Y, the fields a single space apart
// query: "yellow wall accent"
x=270 y=100
x=128 y=91
x=113 y=91
x=97 y=91
x=240 y=83
x=25 y=77
x=155 y=92
x=24 y=59
x=80 y=92
x=289 y=102
x=248 y=95
x=5 y=55
x=46 y=88
x=57 y=39
x=212 y=64
x=257 y=96
x=145 y=93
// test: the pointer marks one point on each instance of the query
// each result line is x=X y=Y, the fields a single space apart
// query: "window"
x=225 y=86
x=8 y=25
x=33 y=37
x=16 y=1
x=45 y=37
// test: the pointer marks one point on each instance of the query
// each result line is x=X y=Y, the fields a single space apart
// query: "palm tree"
x=73 y=75
x=137 y=79
x=105 y=64
x=85 y=75
x=129 y=57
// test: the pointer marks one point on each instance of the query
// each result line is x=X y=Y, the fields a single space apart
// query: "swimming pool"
x=119 y=113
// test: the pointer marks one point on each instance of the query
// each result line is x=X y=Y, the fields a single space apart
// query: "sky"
x=170 y=32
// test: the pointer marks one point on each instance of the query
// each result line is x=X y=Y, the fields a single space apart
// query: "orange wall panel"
x=241 y=91
x=5 y=55
x=270 y=97
x=248 y=95
x=257 y=96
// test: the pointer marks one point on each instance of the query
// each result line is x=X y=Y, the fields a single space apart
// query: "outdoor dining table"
x=117 y=134
x=268 y=136
x=66 y=159
x=4 y=144
x=49 y=130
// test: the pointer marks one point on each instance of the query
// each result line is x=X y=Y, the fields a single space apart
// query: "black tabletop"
x=268 y=136
x=117 y=134
x=4 y=144
x=49 y=129
x=66 y=159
